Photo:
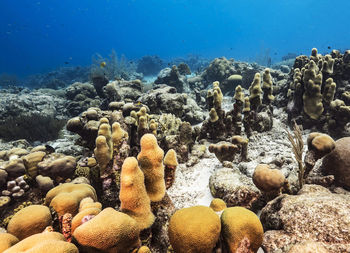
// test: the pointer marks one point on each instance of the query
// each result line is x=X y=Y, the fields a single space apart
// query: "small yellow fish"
x=103 y=64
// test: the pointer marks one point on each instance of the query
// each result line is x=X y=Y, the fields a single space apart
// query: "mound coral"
x=31 y=162
x=239 y=224
x=87 y=208
x=194 y=230
x=224 y=151
x=217 y=205
x=62 y=167
x=66 y=198
x=151 y=162
x=30 y=220
x=337 y=162
x=110 y=231
x=268 y=180
x=318 y=146
x=52 y=242
x=7 y=240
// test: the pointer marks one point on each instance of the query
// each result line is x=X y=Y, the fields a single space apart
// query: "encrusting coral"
x=151 y=163
x=133 y=196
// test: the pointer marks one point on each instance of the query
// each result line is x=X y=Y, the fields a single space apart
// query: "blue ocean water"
x=37 y=36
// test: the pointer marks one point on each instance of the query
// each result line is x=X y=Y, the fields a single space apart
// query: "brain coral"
x=194 y=230
x=66 y=198
x=52 y=242
x=7 y=240
x=238 y=224
x=30 y=220
x=110 y=230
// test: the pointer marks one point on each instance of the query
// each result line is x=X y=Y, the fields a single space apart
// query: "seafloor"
x=235 y=157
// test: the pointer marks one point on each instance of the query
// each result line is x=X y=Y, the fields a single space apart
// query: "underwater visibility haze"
x=174 y=126
x=38 y=36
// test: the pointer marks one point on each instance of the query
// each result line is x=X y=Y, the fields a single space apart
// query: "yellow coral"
x=217 y=205
x=239 y=95
x=255 y=92
x=104 y=121
x=102 y=153
x=87 y=207
x=239 y=223
x=329 y=91
x=246 y=105
x=144 y=249
x=267 y=86
x=151 y=162
x=213 y=116
x=7 y=240
x=133 y=196
x=194 y=230
x=170 y=158
x=30 y=220
x=268 y=180
x=52 y=242
x=66 y=198
x=31 y=162
x=153 y=125
x=217 y=95
x=118 y=135
x=110 y=231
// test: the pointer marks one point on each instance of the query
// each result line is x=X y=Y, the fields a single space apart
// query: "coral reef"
x=315 y=91
x=187 y=164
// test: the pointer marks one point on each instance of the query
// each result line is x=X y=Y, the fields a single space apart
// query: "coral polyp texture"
x=133 y=196
x=194 y=229
x=151 y=163
x=239 y=225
